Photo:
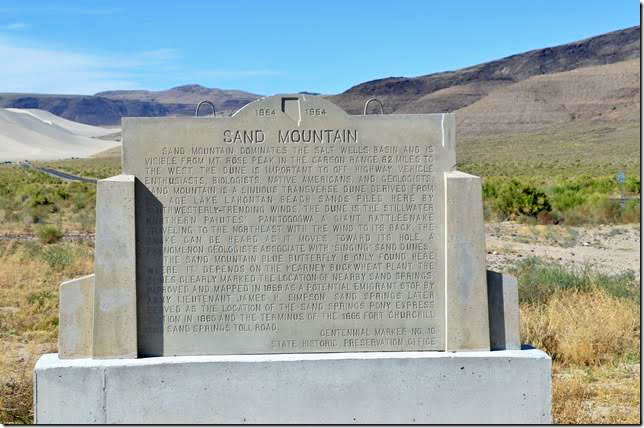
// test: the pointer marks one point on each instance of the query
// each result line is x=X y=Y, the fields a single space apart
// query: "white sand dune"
x=39 y=135
x=73 y=127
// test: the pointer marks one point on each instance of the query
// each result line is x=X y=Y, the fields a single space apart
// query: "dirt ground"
x=610 y=249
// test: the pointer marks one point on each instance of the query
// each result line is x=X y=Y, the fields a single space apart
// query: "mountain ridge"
x=444 y=91
x=615 y=46
x=184 y=94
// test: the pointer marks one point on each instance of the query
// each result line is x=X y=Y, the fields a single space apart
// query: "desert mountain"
x=91 y=109
x=452 y=90
x=610 y=93
x=519 y=93
x=223 y=100
x=107 y=108
x=578 y=102
x=39 y=135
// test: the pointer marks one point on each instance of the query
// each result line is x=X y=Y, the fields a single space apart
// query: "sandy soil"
x=606 y=248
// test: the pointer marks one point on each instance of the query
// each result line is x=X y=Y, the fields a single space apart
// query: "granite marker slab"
x=290 y=227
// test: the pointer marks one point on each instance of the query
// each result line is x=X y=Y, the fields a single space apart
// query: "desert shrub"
x=87 y=221
x=603 y=184
x=8 y=211
x=39 y=196
x=36 y=215
x=30 y=197
x=58 y=256
x=567 y=199
x=80 y=201
x=573 y=200
x=632 y=184
x=539 y=280
x=513 y=199
x=39 y=297
x=62 y=193
x=602 y=209
x=631 y=211
x=84 y=196
x=583 y=327
x=48 y=234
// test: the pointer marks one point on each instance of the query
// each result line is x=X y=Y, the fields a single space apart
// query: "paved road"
x=63 y=175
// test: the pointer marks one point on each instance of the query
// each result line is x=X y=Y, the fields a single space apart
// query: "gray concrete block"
x=68 y=390
x=373 y=387
x=115 y=334
x=503 y=304
x=467 y=324
x=76 y=320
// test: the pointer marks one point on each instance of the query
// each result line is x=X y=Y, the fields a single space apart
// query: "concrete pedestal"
x=500 y=387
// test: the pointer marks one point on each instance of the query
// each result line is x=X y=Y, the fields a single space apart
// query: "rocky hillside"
x=187 y=94
x=607 y=93
x=452 y=90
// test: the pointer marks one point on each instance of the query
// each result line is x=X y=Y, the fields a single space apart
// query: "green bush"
x=80 y=201
x=539 y=280
x=632 y=184
x=48 y=234
x=36 y=215
x=575 y=200
x=567 y=199
x=514 y=199
x=31 y=197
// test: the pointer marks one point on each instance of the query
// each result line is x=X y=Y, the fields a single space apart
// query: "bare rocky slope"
x=608 y=93
x=452 y=90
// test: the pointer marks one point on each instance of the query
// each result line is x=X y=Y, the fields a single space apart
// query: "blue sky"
x=274 y=46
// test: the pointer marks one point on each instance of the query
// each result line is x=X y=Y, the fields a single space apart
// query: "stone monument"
x=291 y=264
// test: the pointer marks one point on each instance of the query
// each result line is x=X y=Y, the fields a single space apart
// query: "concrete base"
x=500 y=387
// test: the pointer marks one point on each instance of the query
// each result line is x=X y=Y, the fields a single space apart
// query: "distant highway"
x=65 y=176
x=60 y=174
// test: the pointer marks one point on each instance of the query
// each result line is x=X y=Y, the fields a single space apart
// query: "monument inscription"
x=290 y=227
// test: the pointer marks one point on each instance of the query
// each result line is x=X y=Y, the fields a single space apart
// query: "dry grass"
x=596 y=395
x=584 y=328
x=594 y=340
x=30 y=199
x=29 y=277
